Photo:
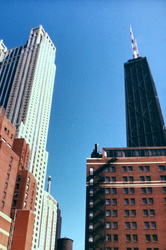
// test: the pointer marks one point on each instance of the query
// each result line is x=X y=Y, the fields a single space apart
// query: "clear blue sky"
x=92 y=40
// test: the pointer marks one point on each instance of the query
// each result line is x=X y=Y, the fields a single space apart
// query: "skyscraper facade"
x=26 y=86
x=145 y=123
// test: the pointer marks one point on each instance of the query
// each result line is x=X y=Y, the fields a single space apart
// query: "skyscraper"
x=145 y=124
x=26 y=86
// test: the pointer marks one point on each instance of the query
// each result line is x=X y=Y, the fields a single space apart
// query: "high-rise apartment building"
x=126 y=199
x=145 y=124
x=26 y=86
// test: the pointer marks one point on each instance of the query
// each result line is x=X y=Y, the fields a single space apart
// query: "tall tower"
x=26 y=86
x=145 y=124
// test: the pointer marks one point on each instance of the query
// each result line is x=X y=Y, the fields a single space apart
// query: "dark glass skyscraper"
x=145 y=124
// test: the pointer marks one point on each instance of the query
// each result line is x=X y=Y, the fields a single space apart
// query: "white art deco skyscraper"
x=26 y=86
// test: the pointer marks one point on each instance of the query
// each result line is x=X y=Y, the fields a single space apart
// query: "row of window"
x=131 y=178
x=129 y=169
x=132 y=238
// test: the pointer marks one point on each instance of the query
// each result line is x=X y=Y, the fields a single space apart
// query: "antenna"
x=134 y=45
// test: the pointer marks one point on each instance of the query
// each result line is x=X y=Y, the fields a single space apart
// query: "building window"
x=132 y=200
x=107 y=169
x=163 y=177
x=18 y=178
x=115 y=225
x=115 y=237
x=161 y=168
x=4 y=195
x=126 y=213
x=124 y=169
x=127 y=225
x=144 y=201
x=113 y=179
x=108 y=237
x=90 y=225
x=2 y=204
x=128 y=237
x=107 y=190
x=29 y=179
x=131 y=178
x=154 y=237
x=135 y=237
x=17 y=186
x=147 y=237
x=125 y=178
x=147 y=168
x=108 y=213
x=153 y=224
x=142 y=178
x=15 y=194
x=126 y=201
x=134 y=225
x=107 y=179
x=6 y=185
x=133 y=213
x=145 y=212
x=114 y=213
x=125 y=190
x=148 y=178
x=149 y=190
x=164 y=189
x=113 y=169
x=130 y=168
x=150 y=201
x=141 y=169
x=27 y=187
x=146 y=225
x=9 y=167
x=26 y=195
x=108 y=225
x=14 y=203
x=114 y=202
x=152 y=212
x=107 y=201
x=143 y=190
x=114 y=191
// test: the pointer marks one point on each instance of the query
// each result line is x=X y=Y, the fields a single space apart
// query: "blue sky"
x=93 y=42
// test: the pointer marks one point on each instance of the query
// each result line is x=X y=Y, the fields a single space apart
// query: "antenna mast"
x=134 y=45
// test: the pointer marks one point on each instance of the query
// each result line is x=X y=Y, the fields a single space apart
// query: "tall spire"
x=134 y=44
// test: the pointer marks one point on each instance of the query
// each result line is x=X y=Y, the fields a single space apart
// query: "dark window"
x=125 y=178
x=107 y=202
x=15 y=194
x=113 y=179
x=134 y=225
x=113 y=169
x=115 y=238
x=107 y=190
x=125 y=190
x=126 y=213
x=135 y=237
x=130 y=168
x=108 y=213
x=147 y=169
x=142 y=178
x=147 y=236
x=107 y=179
x=18 y=178
x=126 y=201
x=154 y=237
x=132 y=191
x=163 y=177
x=164 y=189
x=127 y=225
x=150 y=201
x=14 y=203
x=115 y=225
x=108 y=237
x=124 y=169
x=143 y=190
x=133 y=213
x=148 y=178
x=132 y=201
x=131 y=178
x=145 y=212
x=128 y=237
x=114 y=191
x=114 y=202
x=149 y=189
x=153 y=224
x=152 y=212
x=161 y=168
x=141 y=168
x=144 y=201
x=146 y=225
x=17 y=186
x=114 y=213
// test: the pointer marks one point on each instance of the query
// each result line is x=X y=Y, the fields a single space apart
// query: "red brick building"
x=126 y=199
x=17 y=190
